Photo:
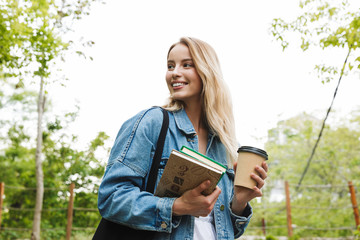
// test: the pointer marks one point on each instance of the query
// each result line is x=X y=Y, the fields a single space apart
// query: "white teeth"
x=178 y=84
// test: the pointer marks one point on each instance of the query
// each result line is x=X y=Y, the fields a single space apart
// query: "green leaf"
x=350 y=66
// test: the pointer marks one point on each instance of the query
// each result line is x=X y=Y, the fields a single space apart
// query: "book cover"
x=183 y=172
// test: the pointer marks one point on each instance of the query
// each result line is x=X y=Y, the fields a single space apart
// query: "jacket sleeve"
x=241 y=222
x=120 y=198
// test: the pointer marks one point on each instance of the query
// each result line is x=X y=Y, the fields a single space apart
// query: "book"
x=203 y=158
x=187 y=169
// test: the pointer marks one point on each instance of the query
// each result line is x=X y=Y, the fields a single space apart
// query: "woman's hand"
x=243 y=195
x=194 y=203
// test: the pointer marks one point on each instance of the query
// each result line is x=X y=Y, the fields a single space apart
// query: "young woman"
x=200 y=117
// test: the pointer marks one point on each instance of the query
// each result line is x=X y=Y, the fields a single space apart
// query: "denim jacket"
x=120 y=196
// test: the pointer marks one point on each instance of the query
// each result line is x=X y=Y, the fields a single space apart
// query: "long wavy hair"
x=217 y=104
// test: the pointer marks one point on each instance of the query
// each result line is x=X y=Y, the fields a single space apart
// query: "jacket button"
x=222 y=207
x=163 y=225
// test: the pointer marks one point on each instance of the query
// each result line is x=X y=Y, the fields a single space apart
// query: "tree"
x=63 y=163
x=314 y=209
x=327 y=24
x=337 y=155
x=31 y=41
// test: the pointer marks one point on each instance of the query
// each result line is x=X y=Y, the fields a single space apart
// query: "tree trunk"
x=38 y=166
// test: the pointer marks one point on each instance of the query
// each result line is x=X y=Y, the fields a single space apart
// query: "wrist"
x=238 y=207
x=177 y=208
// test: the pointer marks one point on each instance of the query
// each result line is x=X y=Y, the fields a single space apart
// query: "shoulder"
x=152 y=115
x=139 y=132
x=147 y=121
x=147 y=116
x=151 y=118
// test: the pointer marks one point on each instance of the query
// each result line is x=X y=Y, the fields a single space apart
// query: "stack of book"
x=186 y=169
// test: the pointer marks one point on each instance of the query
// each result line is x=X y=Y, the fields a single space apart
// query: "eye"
x=188 y=65
x=170 y=67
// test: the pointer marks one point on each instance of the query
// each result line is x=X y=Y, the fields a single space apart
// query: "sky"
x=132 y=38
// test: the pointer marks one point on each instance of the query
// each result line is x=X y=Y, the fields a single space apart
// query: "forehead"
x=179 y=51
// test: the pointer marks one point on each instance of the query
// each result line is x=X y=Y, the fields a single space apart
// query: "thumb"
x=235 y=166
x=204 y=185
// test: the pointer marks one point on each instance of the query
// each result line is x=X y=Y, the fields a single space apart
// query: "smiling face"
x=182 y=79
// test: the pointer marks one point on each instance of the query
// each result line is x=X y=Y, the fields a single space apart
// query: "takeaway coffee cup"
x=248 y=158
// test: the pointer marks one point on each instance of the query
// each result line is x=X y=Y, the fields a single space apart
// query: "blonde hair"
x=217 y=105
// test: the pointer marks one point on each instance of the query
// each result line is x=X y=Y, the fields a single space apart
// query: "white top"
x=204 y=228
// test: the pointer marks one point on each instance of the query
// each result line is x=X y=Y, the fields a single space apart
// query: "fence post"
x=2 y=187
x=263 y=226
x=70 y=212
x=288 y=209
x=354 y=203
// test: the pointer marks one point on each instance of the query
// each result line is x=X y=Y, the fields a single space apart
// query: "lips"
x=178 y=84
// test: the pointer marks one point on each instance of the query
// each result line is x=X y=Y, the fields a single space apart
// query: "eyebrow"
x=184 y=60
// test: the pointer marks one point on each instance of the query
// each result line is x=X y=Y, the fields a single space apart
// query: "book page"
x=204 y=159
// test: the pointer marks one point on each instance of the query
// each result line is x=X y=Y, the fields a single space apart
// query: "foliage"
x=357 y=233
x=322 y=202
x=63 y=164
x=31 y=35
x=32 y=39
x=270 y=237
x=327 y=24
x=294 y=237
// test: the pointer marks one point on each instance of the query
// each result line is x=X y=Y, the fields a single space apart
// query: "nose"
x=175 y=73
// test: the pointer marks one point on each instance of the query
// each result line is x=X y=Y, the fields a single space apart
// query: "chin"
x=177 y=97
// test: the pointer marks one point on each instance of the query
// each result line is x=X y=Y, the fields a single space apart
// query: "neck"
x=194 y=112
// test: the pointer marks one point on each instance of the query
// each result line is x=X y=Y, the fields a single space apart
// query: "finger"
x=261 y=172
x=207 y=203
x=212 y=198
x=215 y=194
x=259 y=180
x=257 y=191
x=203 y=186
x=235 y=166
x=265 y=166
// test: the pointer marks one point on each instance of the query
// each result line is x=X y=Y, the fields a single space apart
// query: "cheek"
x=168 y=79
x=199 y=84
x=195 y=78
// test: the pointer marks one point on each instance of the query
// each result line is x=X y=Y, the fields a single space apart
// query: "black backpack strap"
x=158 y=153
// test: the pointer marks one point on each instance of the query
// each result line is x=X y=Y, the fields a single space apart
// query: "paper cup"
x=248 y=158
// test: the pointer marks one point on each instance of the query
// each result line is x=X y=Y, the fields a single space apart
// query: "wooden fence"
x=288 y=207
x=70 y=209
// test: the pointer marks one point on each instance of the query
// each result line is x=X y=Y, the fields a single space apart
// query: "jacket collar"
x=184 y=124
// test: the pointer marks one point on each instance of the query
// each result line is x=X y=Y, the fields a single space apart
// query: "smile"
x=178 y=84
